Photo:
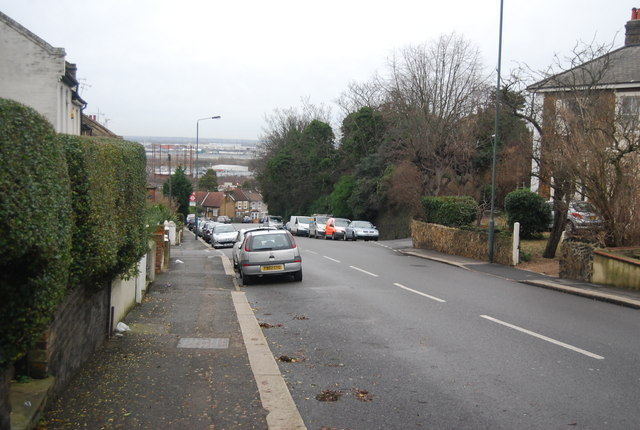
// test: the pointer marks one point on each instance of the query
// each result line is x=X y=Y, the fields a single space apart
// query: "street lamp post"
x=495 y=144
x=196 y=167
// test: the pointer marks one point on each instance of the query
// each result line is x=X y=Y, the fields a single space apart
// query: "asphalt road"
x=403 y=342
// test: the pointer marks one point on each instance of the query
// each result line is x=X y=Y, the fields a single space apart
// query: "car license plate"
x=272 y=268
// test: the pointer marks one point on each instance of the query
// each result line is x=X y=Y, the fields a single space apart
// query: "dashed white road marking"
x=310 y=251
x=419 y=293
x=332 y=259
x=364 y=271
x=548 y=339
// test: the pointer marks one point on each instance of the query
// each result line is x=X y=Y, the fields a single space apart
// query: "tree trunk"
x=560 y=209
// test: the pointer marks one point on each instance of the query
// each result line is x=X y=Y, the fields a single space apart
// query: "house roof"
x=239 y=195
x=92 y=127
x=60 y=52
x=253 y=196
x=213 y=199
x=617 y=69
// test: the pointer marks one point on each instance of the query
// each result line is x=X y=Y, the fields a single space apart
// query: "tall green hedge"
x=72 y=213
x=35 y=211
x=109 y=186
x=452 y=211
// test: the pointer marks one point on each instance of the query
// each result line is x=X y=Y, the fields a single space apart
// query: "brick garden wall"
x=79 y=327
x=453 y=241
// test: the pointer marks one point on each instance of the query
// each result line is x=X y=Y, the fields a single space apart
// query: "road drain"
x=204 y=343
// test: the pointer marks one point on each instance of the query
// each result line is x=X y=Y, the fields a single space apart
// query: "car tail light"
x=576 y=215
x=247 y=241
x=293 y=241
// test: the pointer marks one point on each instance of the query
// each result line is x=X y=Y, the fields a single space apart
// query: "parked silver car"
x=361 y=230
x=267 y=253
x=240 y=234
x=582 y=216
x=223 y=235
x=317 y=226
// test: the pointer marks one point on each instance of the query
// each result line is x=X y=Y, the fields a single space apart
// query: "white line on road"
x=364 y=271
x=419 y=293
x=310 y=251
x=548 y=339
x=332 y=259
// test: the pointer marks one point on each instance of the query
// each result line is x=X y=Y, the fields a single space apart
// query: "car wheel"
x=297 y=276
x=570 y=228
x=246 y=279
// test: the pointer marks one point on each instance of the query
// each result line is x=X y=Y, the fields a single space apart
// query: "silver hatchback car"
x=269 y=252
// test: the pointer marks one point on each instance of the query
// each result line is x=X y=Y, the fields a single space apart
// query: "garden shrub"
x=35 y=210
x=109 y=186
x=451 y=211
x=529 y=209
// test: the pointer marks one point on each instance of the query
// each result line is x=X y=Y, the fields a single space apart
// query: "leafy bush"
x=452 y=211
x=529 y=209
x=109 y=187
x=35 y=211
x=157 y=215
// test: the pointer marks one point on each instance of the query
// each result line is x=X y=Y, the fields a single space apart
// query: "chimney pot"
x=632 y=33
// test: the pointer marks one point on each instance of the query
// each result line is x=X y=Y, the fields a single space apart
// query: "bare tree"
x=365 y=94
x=432 y=93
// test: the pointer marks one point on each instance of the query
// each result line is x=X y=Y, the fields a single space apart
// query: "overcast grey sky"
x=153 y=67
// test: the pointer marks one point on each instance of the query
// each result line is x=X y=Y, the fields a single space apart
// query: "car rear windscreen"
x=267 y=242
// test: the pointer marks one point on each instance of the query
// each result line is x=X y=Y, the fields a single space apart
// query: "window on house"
x=565 y=111
x=629 y=109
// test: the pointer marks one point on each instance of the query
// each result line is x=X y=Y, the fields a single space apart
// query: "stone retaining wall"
x=576 y=260
x=464 y=243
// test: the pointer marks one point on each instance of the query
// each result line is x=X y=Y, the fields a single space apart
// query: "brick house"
x=258 y=208
x=613 y=82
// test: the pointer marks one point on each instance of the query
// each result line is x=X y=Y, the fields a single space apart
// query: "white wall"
x=31 y=72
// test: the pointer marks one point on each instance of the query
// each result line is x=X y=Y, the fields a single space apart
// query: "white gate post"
x=515 y=256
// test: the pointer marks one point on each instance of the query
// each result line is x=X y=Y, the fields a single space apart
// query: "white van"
x=299 y=225
x=272 y=221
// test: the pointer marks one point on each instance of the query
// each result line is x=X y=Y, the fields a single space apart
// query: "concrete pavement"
x=185 y=363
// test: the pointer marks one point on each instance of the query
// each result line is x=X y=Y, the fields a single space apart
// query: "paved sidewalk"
x=629 y=298
x=183 y=365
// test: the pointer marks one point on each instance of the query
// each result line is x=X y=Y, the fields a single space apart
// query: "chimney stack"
x=632 y=34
